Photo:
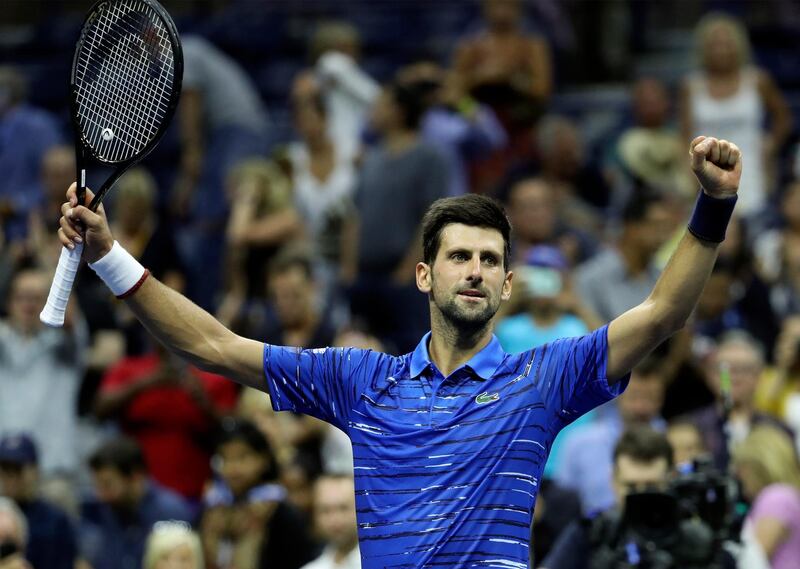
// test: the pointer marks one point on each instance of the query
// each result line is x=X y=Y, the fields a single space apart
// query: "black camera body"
x=683 y=527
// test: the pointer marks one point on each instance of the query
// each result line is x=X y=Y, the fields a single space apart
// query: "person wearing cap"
x=551 y=309
x=51 y=542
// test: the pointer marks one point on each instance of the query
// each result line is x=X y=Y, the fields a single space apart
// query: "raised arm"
x=176 y=322
x=718 y=167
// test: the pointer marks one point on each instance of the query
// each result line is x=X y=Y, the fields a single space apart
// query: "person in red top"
x=171 y=409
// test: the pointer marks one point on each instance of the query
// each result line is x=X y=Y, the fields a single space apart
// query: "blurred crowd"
x=115 y=454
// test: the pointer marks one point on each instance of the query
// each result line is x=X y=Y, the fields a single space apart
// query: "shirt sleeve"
x=571 y=375
x=779 y=501
x=325 y=383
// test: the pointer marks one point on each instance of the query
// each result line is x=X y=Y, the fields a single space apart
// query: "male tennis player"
x=449 y=441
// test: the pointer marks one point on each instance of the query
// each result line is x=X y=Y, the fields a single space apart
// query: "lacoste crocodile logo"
x=485 y=398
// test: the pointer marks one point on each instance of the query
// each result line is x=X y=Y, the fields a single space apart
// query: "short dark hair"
x=639 y=204
x=471 y=209
x=233 y=429
x=643 y=444
x=291 y=257
x=122 y=454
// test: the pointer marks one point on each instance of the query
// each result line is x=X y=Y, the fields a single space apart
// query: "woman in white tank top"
x=730 y=99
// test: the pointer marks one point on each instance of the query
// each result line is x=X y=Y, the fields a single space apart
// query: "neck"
x=452 y=346
x=342 y=550
x=398 y=140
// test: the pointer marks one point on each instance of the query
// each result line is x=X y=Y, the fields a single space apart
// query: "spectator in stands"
x=173 y=545
x=247 y=522
x=335 y=520
x=40 y=374
x=323 y=179
x=650 y=152
x=262 y=220
x=461 y=128
x=222 y=122
x=623 y=275
x=348 y=91
x=730 y=98
x=539 y=220
x=766 y=465
x=588 y=455
x=505 y=67
x=686 y=441
x=137 y=226
x=170 y=409
x=770 y=245
x=641 y=461
x=551 y=310
x=51 y=539
x=26 y=134
x=778 y=391
x=732 y=374
x=115 y=524
x=398 y=181
x=13 y=536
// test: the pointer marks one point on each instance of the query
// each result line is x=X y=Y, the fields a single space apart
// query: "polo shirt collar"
x=484 y=364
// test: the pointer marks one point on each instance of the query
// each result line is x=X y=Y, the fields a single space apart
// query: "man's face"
x=293 y=294
x=632 y=476
x=385 y=113
x=242 y=467
x=114 y=488
x=17 y=481
x=654 y=230
x=686 y=443
x=467 y=280
x=641 y=401
x=744 y=365
x=335 y=511
x=532 y=210
x=28 y=295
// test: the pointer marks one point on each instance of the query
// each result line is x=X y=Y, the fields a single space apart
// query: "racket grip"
x=53 y=312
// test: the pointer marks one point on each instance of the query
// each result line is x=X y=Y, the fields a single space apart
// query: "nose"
x=475 y=269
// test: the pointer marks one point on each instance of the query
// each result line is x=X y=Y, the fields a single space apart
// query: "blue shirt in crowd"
x=446 y=469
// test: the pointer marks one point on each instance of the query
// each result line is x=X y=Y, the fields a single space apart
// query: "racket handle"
x=53 y=312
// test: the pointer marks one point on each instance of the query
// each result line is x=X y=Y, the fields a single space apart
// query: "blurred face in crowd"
x=502 y=15
x=716 y=296
x=721 y=51
x=241 y=466
x=181 y=556
x=564 y=153
x=335 y=511
x=386 y=113
x=744 y=364
x=18 y=481
x=790 y=205
x=58 y=171
x=27 y=296
x=650 y=103
x=632 y=476
x=119 y=491
x=309 y=119
x=651 y=232
x=641 y=402
x=532 y=211
x=686 y=442
x=467 y=280
x=293 y=294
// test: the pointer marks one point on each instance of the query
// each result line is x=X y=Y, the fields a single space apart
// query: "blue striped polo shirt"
x=446 y=468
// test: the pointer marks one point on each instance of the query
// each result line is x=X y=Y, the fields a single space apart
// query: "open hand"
x=717 y=165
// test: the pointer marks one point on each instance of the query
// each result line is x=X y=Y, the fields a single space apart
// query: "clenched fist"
x=717 y=165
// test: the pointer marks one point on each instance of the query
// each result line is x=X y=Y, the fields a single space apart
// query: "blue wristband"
x=711 y=216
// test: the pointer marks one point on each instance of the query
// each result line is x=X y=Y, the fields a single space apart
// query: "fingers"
x=699 y=152
x=72 y=195
x=722 y=153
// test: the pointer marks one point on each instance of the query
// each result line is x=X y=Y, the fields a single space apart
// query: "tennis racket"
x=124 y=87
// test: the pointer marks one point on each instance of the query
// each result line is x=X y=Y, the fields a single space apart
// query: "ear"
x=424 y=277
x=505 y=294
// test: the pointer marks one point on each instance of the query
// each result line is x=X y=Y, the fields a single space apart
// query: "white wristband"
x=119 y=270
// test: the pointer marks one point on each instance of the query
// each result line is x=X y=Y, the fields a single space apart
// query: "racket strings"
x=125 y=75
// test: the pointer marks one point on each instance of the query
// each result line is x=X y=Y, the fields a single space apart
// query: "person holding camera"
x=13 y=536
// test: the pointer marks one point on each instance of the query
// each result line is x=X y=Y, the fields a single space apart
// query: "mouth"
x=472 y=294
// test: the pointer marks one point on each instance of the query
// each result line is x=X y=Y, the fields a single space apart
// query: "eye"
x=459 y=256
x=490 y=260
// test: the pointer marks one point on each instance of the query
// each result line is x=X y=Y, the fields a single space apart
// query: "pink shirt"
x=781 y=502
